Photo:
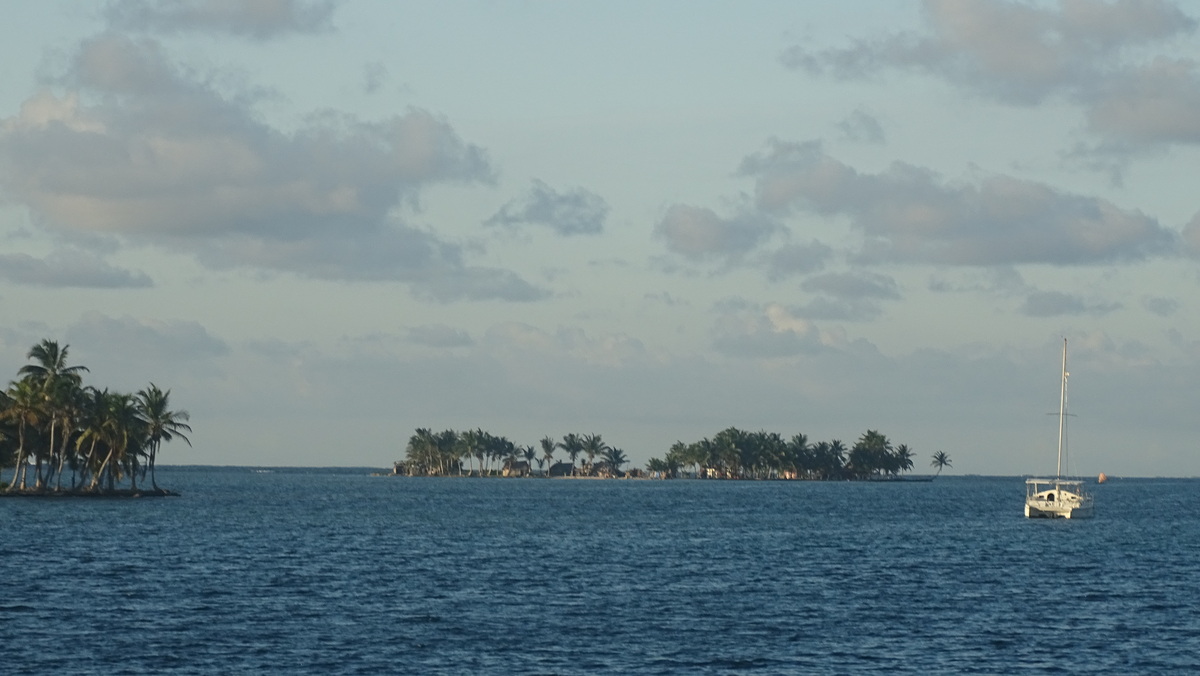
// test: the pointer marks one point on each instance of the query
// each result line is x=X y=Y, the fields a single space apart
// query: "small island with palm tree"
x=52 y=425
x=730 y=454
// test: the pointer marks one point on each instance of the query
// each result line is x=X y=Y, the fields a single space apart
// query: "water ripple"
x=341 y=573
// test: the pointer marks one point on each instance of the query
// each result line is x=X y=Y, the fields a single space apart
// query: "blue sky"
x=324 y=224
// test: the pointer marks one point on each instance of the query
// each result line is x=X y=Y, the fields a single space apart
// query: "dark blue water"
x=338 y=572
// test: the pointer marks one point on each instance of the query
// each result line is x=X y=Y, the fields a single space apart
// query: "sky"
x=325 y=224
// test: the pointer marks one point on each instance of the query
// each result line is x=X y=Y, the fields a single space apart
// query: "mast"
x=1062 y=412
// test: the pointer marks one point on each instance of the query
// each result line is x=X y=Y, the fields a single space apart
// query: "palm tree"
x=419 y=451
x=529 y=453
x=471 y=445
x=446 y=449
x=871 y=454
x=940 y=460
x=25 y=408
x=904 y=456
x=658 y=466
x=706 y=456
x=162 y=424
x=615 y=457
x=480 y=447
x=799 y=456
x=573 y=445
x=92 y=432
x=59 y=385
x=593 y=445
x=51 y=364
x=548 y=446
x=837 y=457
x=677 y=457
x=122 y=433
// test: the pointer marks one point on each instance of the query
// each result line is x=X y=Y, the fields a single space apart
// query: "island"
x=732 y=453
x=62 y=438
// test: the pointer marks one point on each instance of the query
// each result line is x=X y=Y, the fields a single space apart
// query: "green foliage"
x=940 y=461
x=739 y=454
x=732 y=453
x=52 y=423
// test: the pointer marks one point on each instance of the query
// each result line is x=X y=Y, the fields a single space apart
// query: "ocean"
x=334 y=571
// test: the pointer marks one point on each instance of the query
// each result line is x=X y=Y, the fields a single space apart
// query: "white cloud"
x=910 y=214
x=767 y=332
x=258 y=19
x=699 y=234
x=1155 y=104
x=143 y=149
x=1022 y=53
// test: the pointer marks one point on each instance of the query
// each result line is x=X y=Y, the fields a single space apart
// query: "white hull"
x=1058 y=512
x=1056 y=499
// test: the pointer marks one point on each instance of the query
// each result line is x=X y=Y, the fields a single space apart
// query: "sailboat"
x=1058 y=498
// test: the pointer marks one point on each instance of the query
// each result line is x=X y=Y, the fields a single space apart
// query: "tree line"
x=479 y=453
x=734 y=453
x=52 y=424
x=730 y=454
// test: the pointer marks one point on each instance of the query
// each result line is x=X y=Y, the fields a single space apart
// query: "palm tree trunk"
x=62 y=461
x=153 y=479
x=100 y=472
x=42 y=481
x=18 y=469
x=88 y=463
x=153 y=453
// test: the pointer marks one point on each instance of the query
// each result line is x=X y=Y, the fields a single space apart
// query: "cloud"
x=144 y=340
x=435 y=270
x=1191 y=235
x=910 y=214
x=797 y=259
x=439 y=335
x=863 y=127
x=766 y=332
x=141 y=148
x=1002 y=280
x=374 y=75
x=69 y=268
x=1163 y=307
x=1154 y=104
x=1055 y=303
x=1022 y=54
x=573 y=212
x=699 y=234
x=614 y=351
x=1012 y=51
x=853 y=285
x=828 y=308
x=257 y=19
x=846 y=296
